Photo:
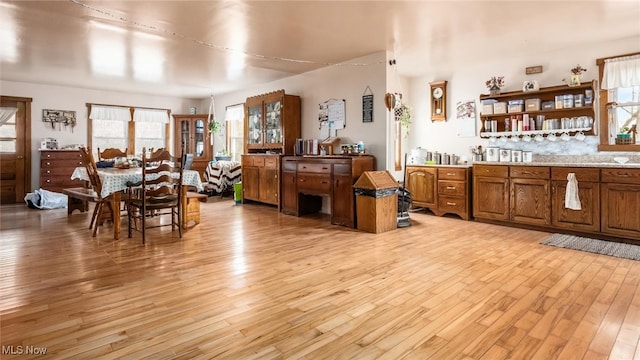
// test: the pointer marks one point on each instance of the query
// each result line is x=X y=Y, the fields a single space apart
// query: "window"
x=234 y=118
x=115 y=127
x=619 y=102
x=8 y=129
x=150 y=128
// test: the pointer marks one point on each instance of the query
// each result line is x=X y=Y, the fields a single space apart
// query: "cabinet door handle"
x=450 y=174
x=48 y=171
x=451 y=187
x=324 y=182
x=325 y=168
x=48 y=163
x=451 y=203
x=301 y=180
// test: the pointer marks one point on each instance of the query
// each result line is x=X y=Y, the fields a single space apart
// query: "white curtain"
x=118 y=113
x=151 y=115
x=7 y=113
x=621 y=72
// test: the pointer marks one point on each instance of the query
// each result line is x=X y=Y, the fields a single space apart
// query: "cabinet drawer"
x=314 y=168
x=271 y=163
x=52 y=171
x=251 y=161
x=342 y=169
x=491 y=171
x=289 y=165
x=621 y=176
x=451 y=188
x=451 y=204
x=529 y=172
x=60 y=155
x=60 y=180
x=315 y=183
x=67 y=164
x=451 y=174
x=582 y=174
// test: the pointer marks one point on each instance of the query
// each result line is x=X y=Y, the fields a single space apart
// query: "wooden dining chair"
x=111 y=153
x=159 y=194
x=103 y=210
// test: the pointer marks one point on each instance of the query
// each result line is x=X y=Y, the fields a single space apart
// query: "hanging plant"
x=214 y=127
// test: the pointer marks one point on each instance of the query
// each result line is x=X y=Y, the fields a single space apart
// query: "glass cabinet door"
x=273 y=122
x=254 y=125
x=185 y=135
x=198 y=138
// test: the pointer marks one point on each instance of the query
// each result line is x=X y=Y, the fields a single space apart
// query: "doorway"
x=15 y=151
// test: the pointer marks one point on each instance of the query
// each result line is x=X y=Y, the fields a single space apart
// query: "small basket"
x=624 y=141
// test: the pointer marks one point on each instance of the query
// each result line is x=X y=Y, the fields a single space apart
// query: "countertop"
x=628 y=165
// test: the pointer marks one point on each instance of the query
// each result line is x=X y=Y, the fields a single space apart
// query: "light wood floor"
x=250 y=283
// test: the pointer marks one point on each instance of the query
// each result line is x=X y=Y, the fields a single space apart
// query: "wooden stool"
x=191 y=209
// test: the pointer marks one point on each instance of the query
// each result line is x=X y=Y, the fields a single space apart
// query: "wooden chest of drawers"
x=56 y=167
x=442 y=189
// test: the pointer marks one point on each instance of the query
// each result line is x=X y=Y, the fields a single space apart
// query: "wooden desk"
x=306 y=179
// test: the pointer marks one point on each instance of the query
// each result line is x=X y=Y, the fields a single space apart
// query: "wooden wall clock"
x=438 y=101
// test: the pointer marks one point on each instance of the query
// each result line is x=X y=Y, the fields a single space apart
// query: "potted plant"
x=494 y=84
x=214 y=127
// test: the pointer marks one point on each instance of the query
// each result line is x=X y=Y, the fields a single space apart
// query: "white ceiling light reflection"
x=148 y=57
x=238 y=39
x=8 y=38
x=107 y=49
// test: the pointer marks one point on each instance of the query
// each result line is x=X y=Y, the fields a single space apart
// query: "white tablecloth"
x=116 y=179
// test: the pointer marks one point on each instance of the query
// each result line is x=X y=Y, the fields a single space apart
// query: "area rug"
x=610 y=248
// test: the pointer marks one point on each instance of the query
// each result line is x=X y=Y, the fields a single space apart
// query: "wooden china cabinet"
x=193 y=132
x=272 y=125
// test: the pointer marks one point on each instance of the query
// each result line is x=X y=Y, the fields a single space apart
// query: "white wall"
x=75 y=99
x=468 y=83
x=346 y=81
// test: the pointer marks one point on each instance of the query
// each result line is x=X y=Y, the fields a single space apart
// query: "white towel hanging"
x=571 y=198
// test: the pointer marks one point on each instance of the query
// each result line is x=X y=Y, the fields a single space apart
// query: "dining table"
x=114 y=182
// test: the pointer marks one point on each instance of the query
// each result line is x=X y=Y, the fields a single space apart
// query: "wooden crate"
x=376 y=202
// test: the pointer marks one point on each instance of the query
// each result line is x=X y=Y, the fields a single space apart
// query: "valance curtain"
x=234 y=112
x=116 y=113
x=7 y=113
x=151 y=115
x=621 y=72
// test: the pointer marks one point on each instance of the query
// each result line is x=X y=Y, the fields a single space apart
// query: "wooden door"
x=250 y=183
x=15 y=146
x=342 y=209
x=421 y=182
x=491 y=198
x=530 y=201
x=620 y=209
x=269 y=186
x=585 y=219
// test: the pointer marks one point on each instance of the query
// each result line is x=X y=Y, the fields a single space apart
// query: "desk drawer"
x=315 y=183
x=319 y=168
x=452 y=188
x=491 y=170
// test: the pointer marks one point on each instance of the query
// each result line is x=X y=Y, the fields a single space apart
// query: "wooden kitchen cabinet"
x=261 y=178
x=586 y=219
x=491 y=192
x=620 y=196
x=530 y=195
x=272 y=123
x=56 y=167
x=422 y=182
x=192 y=131
x=441 y=189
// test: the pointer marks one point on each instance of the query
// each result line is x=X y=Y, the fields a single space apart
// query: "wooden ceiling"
x=198 y=48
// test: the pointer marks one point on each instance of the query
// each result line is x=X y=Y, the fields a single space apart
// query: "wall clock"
x=438 y=101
